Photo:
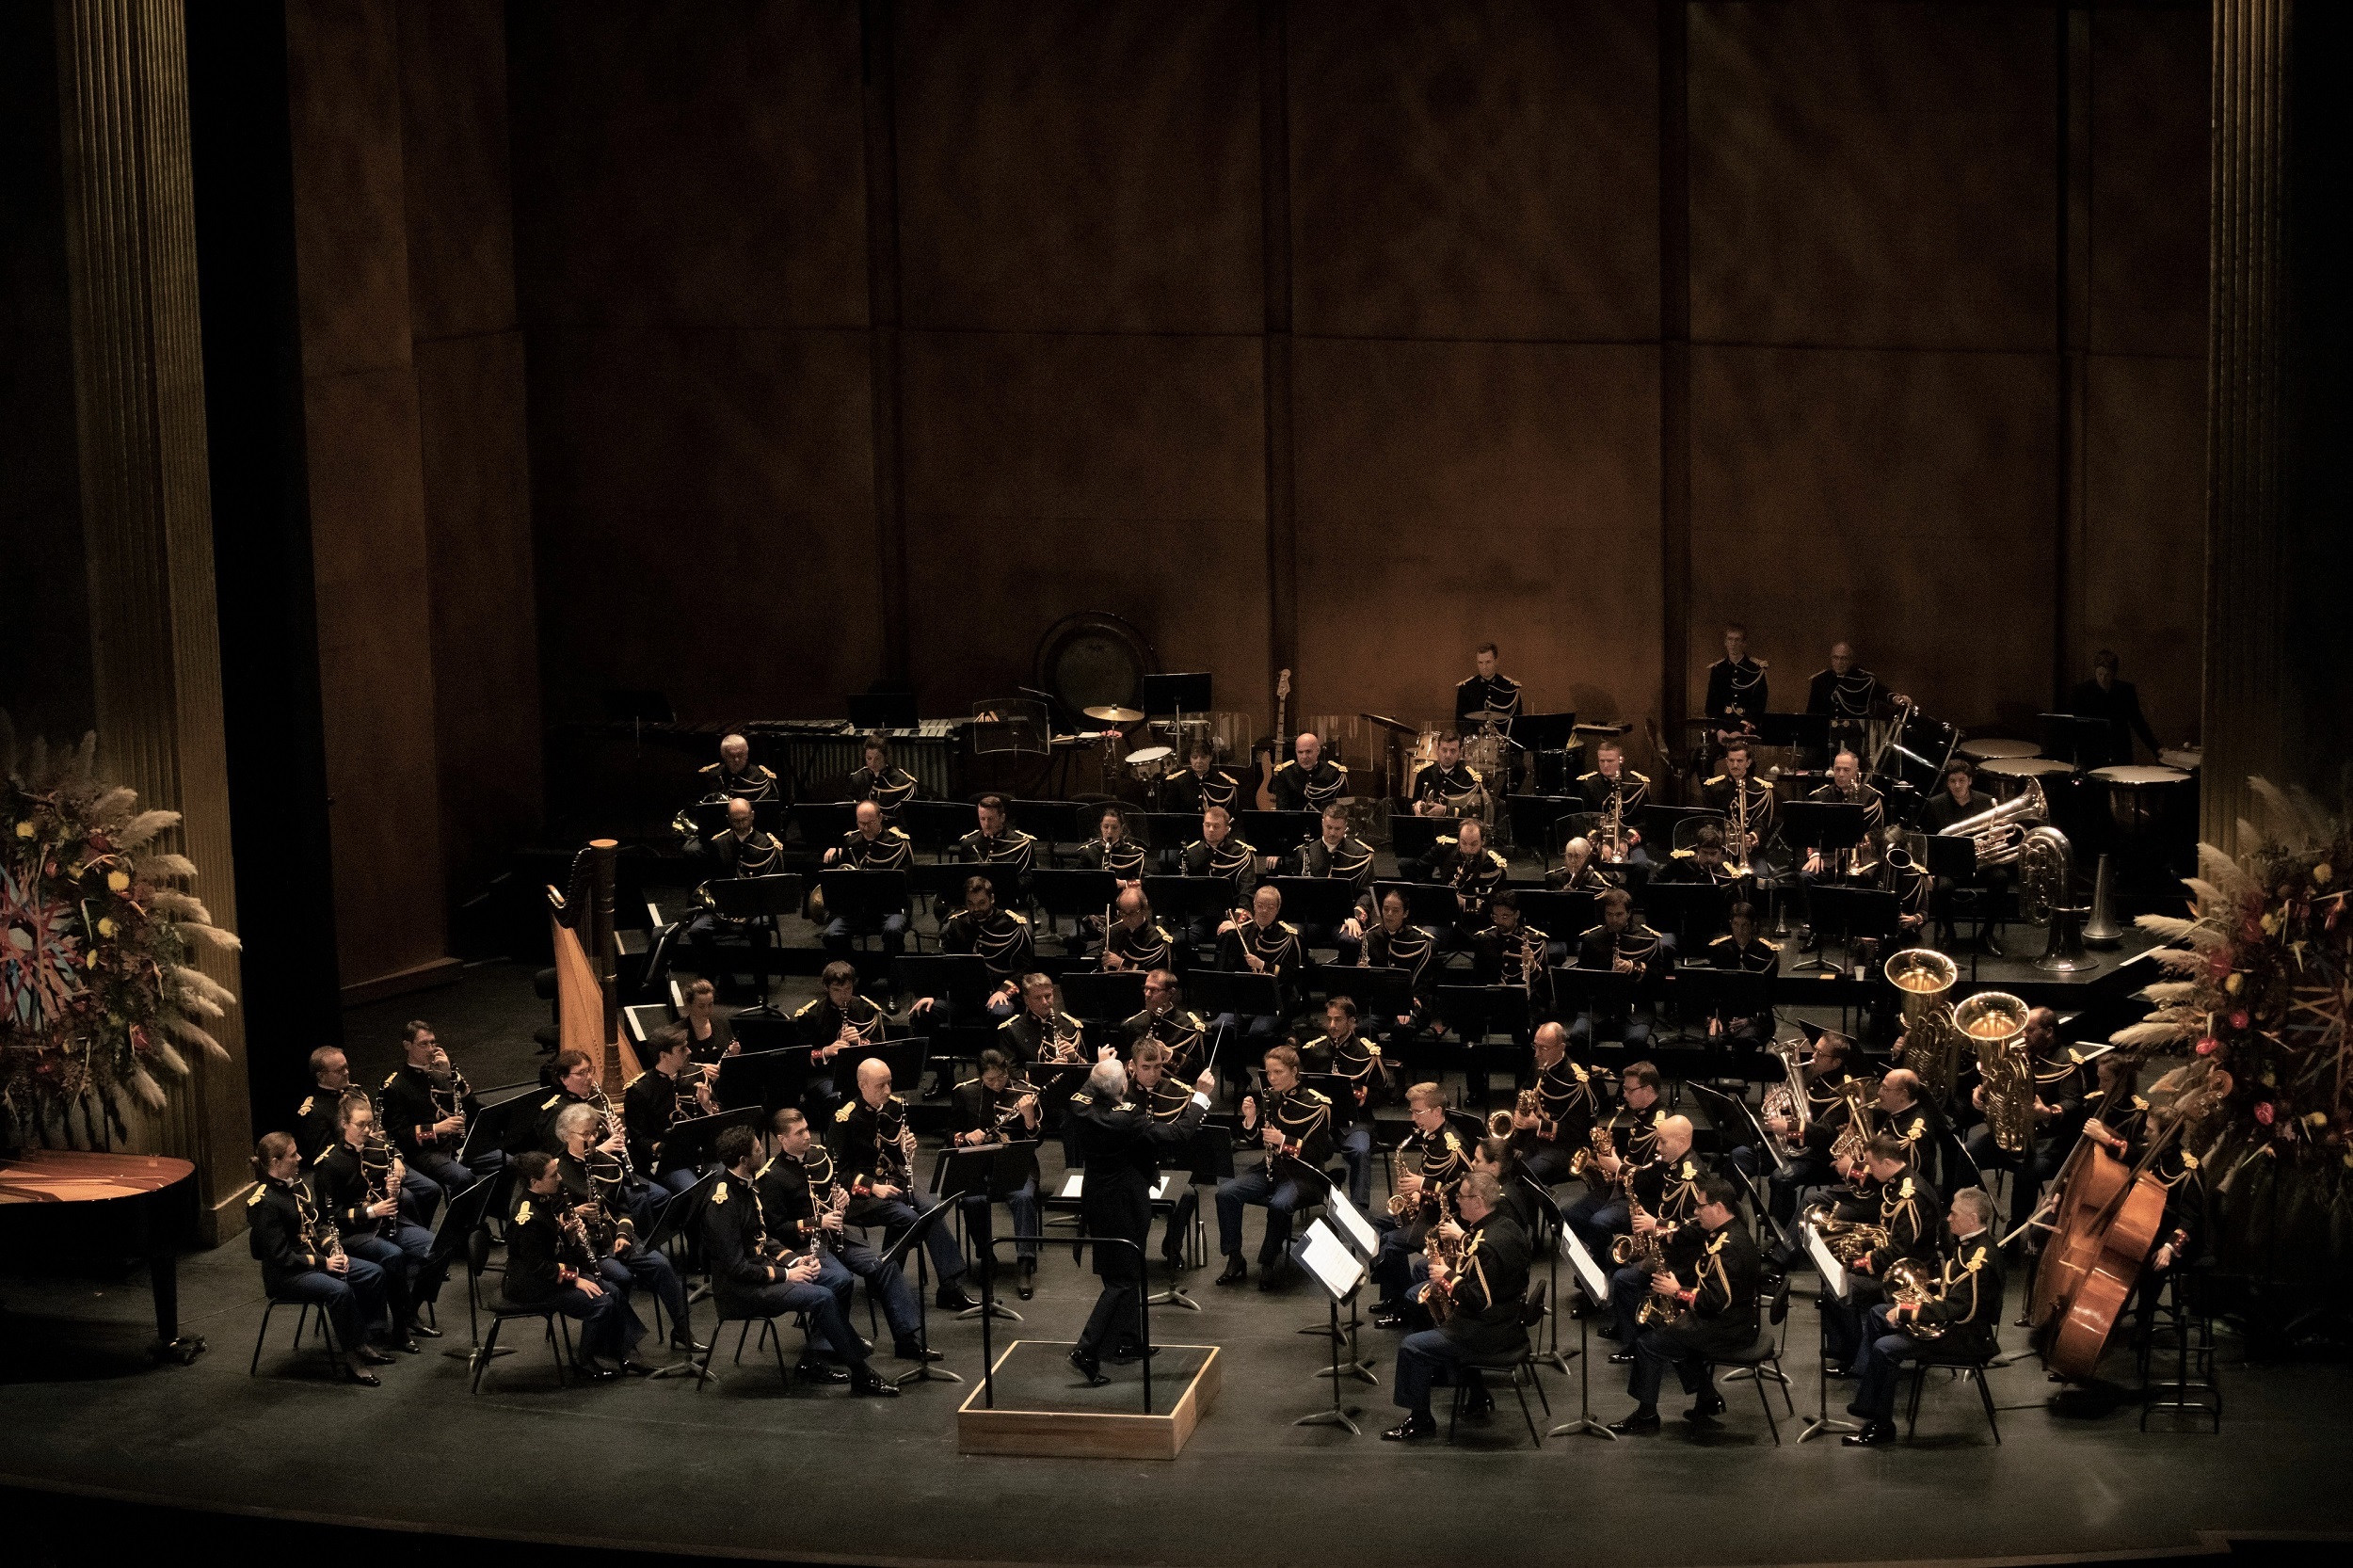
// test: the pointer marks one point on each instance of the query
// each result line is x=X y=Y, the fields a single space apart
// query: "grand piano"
x=102 y=1210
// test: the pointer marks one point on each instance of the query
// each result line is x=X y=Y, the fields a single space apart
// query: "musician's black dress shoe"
x=1388 y=1317
x=869 y=1384
x=822 y=1371
x=908 y=1349
x=1641 y=1424
x=1711 y=1405
x=1415 y=1427
x=1089 y=1368
x=1620 y=1358
x=1874 y=1436
x=365 y=1379
x=1132 y=1352
x=373 y=1355
x=595 y=1370
x=631 y=1366
x=685 y=1344
x=1028 y=1285
x=1236 y=1271
x=951 y=1297
x=422 y=1330
x=1270 y=1275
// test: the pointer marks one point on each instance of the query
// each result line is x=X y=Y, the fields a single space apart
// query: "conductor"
x=1120 y=1143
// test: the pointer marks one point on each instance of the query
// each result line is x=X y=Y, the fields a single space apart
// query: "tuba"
x=1994 y=1022
x=1924 y=978
x=2000 y=832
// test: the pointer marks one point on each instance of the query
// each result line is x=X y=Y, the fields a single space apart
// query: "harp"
x=587 y=995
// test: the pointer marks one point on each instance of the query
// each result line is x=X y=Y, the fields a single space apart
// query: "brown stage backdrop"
x=751 y=351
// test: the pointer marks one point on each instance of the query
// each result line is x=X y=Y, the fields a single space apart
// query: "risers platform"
x=1044 y=1408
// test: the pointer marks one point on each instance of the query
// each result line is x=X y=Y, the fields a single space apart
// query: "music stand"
x=1278 y=833
x=1207 y=1160
x=1379 y=993
x=1804 y=731
x=1552 y=1355
x=492 y=1123
x=694 y=1138
x=1834 y=1286
x=1332 y=1264
x=1732 y=993
x=896 y=1254
x=1075 y=893
x=1110 y=995
x=767 y=1078
x=1533 y=818
x=881 y=711
x=1324 y=901
x=1594 y=1281
x=863 y=898
x=1594 y=992
x=1411 y=836
x=1561 y=914
x=683 y=1209
x=1426 y=903
x=464 y=1214
x=1357 y=1232
x=824 y=824
x=934 y=825
x=1245 y=995
x=1850 y=913
x=754 y=899
x=990 y=1171
x=1690 y=909
x=963 y=978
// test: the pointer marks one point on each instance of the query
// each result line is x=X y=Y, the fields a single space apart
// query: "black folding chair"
x=1520 y=1365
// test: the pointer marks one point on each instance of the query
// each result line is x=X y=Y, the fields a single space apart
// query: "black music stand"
x=1808 y=732
x=1690 y=909
x=1703 y=993
x=934 y=825
x=1533 y=818
x=754 y=900
x=1594 y=992
x=1379 y=993
x=1593 y=1281
x=1850 y=913
x=1561 y=914
x=1328 y=1259
x=1545 y=1207
x=1278 y=832
x=1827 y=826
x=896 y=1254
x=494 y=1122
x=1245 y=995
x=993 y=1171
x=1426 y=903
x=1834 y=1285
x=881 y=711
x=863 y=898
x=1174 y=694
x=963 y=978
x=822 y=824
x=945 y=880
x=464 y=1214
x=1112 y=995
x=1164 y=833
x=1074 y=893
x=690 y=1144
x=1410 y=836
x=683 y=1210
x=1324 y=901
x=769 y=1080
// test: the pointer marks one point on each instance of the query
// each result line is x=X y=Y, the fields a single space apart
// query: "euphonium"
x=2000 y=832
x=1909 y=1284
x=1995 y=1023
x=1530 y=1103
x=1847 y=1240
x=1924 y=978
x=1854 y=1140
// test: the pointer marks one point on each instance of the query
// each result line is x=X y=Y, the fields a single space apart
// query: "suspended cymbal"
x=1115 y=715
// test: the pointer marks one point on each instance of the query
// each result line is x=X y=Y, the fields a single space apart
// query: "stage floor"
x=741 y=1468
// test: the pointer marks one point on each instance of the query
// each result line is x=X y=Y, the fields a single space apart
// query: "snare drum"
x=2138 y=796
x=1149 y=763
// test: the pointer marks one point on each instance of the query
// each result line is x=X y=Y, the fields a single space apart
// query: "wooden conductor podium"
x=588 y=994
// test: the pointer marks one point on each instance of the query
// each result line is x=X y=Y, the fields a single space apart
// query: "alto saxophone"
x=1438 y=1300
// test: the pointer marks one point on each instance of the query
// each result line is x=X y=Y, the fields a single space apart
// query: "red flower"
x=2207 y=1047
x=2263 y=1112
x=98 y=841
x=2239 y=1019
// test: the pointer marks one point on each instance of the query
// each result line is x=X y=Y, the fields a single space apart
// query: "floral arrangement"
x=98 y=992
x=2262 y=972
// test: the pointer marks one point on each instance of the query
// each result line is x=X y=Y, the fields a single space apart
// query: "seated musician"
x=1743 y=951
x=835 y=1020
x=1630 y=1128
x=1484 y=1288
x=1804 y=1146
x=801 y=1203
x=1430 y=1160
x=427 y=1107
x=997 y=1107
x=741 y=851
x=2058 y=1103
x=303 y=1260
x=871 y=846
x=1510 y=953
x=1293 y=1125
x=358 y=1181
x=1550 y=1139
x=1464 y=862
x=1849 y=695
x=1736 y=689
x=1113 y=849
x=1703 y=865
x=1957 y=802
x=1201 y=783
x=1959 y=1319
x=546 y=1266
x=1623 y=943
x=1180 y=1033
x=875 y=1151
x=1579 y=874
x=1500 y=1158
x=1310 y=780
x=569 y=1078
x=618 y=1218
x=750 y=1279
x=1612 y=790
x=886 y=785
x=1906 y=1111
x=1852 y=863
x=736 y=776
x=1219 y=851
x=1397 y=943
x=1662 y=1194
x=318 y=1126
x=1710 y=1290
x=1736 y=793
x=1041 y=1032
x=1136 y=940
x=1901 y=874
x=1489 y=696
x=1338 y=853
x=1262 y=943
x=1342 y=1052
x=708 y=1036
x=651 y=1108
x=2141 y=1136
x=1448 y=786
x=1912 y=1214
x=993 y=843
x=1000 y=937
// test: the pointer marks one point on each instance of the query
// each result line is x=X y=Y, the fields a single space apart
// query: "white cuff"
x=1200 y=1099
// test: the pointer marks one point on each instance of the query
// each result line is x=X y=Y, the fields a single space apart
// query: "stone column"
x=2247 y=430
x=147 y=519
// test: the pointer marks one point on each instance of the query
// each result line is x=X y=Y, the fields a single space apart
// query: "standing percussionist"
x=1120 y=1146
x=1337 y=853
x=1848 y=694
x=1310 y=780
x=1489 y=696
x=2118 y=702
x=1712 y=1313
x=886 y=785
x=1484 y=1289
x=1293 y=1126
x=1448 y=786
x=1735 y=688
x=1616 y=794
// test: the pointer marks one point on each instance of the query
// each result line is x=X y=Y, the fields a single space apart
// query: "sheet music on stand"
x=1590 y=1278
x=1353 y=1227
x=1833 y=1272
x=1333 y=1262
x=1074 y=1185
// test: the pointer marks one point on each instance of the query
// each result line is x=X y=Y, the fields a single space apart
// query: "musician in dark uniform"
x=1960 y=1318
x=1735 y=688
x=2104 y=696
x=1737 y=788
x=736 y=776
x=318 y=1126
x=1484 y=1289
x=616 y=1215
x=1489 y=696
x=651 y=1108
x=1431 y=1160
x=1849 y=695
x=749 y=1279
x=995 y=1107
x=1310 y=780
x=871 y=846
x=887 y=786
x=1957 y=802
x=1164 y=1020
x=1219 y=851
x=1716 y=1311
x=1845 y=864
x=993 y=843
x=1548 y=1140
x=1136 y=940
x=1041 y=1032
x=1510 y=953
x=1338 y=853
x=1000 y=937
x=2058 y=1104
x=1906 y=1111
x=1624 y=944
x=869 y=1154
x=544 y=1268
x=1632 y=1124
x=742 y=850
x=1807 y=1149
x=1120 y=1143
x=1912 y=1214
x=797 y=1193
x=1663 y=1193
x=1342 y=1052
x=427 y=1107
x=302 y=1257
x=357 y=1189
x=1200 y=784
x=1613 y=782
x=1464 y=862
x=1263 y=944
x=1578 y=872
x=1702 y=865
x=1446 y=786
x=1113 y=849
x=1744 y=951
x=1294 y=1125
x=1395 y=943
